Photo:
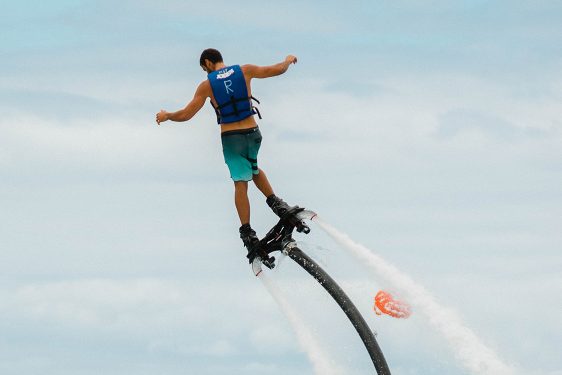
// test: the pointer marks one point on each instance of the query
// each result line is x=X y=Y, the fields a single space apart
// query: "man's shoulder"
x=204 y=87
x=248 y=69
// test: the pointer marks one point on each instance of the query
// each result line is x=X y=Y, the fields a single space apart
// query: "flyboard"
x=280 y=238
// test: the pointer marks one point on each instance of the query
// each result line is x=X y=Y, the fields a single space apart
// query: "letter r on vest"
x=227 y=85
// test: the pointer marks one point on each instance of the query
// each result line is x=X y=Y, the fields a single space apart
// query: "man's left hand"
x=161 y=116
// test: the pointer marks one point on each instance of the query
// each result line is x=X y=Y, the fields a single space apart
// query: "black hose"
x=346 y=305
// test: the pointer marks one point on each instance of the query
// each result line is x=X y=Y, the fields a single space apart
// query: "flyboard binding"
x=280 y=238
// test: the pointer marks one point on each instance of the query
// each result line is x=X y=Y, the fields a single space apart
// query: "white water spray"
x=471 y=352
x=322 y=365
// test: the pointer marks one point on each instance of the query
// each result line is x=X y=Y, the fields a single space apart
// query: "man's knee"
x=241 y=185
x=257 y=175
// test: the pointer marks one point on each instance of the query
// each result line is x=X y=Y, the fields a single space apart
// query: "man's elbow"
x=182 y=116
x=282 y=68
x=277 y=71
x=186 y=115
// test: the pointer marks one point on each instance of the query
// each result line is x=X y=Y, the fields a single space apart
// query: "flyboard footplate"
x=279 y=238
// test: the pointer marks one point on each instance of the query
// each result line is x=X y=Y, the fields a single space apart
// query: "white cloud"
x=106 y=144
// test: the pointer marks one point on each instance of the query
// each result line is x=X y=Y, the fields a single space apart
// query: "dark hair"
x=210 y=54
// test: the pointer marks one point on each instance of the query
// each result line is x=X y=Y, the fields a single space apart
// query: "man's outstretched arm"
x=201 y=94
x=254 y=71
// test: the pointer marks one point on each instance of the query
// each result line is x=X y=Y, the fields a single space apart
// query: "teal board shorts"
x=240 y=149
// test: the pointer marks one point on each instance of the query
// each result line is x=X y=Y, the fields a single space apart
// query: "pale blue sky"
x=428 y=130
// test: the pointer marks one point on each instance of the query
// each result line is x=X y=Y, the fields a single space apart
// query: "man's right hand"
x=291 y=59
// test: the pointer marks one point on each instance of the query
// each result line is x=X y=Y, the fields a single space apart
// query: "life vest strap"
x=236 y=111
x=236 y=100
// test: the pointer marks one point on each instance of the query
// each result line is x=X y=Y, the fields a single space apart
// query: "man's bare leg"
x=262 y=183
x=247 y=234
x=241 y=201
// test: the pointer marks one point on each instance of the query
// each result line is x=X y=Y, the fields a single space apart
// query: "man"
x=230 y=91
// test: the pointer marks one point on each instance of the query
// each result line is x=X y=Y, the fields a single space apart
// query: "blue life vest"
x=231 y=95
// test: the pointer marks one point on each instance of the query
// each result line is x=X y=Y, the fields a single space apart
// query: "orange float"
x=386 y=304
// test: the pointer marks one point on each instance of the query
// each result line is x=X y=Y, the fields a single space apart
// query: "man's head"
x=209 y=59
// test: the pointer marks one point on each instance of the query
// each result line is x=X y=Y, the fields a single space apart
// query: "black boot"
x=248 y=236
x=277 y=205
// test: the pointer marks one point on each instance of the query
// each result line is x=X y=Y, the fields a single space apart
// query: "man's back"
x=249 y=72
